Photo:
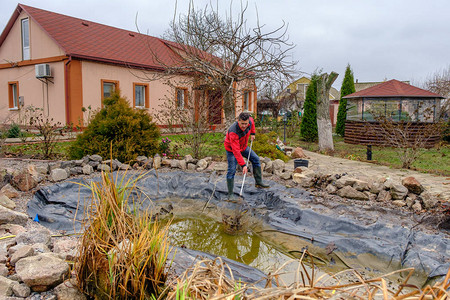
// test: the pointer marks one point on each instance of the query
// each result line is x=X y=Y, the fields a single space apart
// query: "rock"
x=298 y=153
x=384 y=196
x=96 y=158
x=6 y=286
x=88 y=170
x=345 y=181
x=112 y=164
x=22 y=252
x=428 y=200
x=376 y=187
x=68 y=291
x=8 y=216
x=331 y=189
x=34 y=236
x=202 y=164
x=412 y=185
x=417 y=206
x=40 y=248
x=12 y=228
x=269 y=166
x=124 y=167
x=6 y=202
x=24 y=181
x=66 y=165
x=278 y=166
x=79 y=162
x=361 y=185
x=104 y=168
x=54 y=165
x=136 y=166
x=191 y=167
x=286 y=175
x=388 y=184
x=141 y=160
x=372 y=196
x=410 y=201
x=398 y=192
x=208 y=159
x=93 y=164
x=189 y=159
x=157 y=161
x=298 y=170
x=351 y=193
x=399 y=203
x=220 y=166
x=174 y=163
x=42 y=272
x=58 y=175
x=148 y=163
x=303 y=180
x=66 y=248
x=3 y=270
x=166 y=162
x=9 y=191
x=34 y=173
x=21 y=290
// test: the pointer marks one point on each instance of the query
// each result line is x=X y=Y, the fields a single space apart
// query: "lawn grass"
x=32 y=150
x=435 y=160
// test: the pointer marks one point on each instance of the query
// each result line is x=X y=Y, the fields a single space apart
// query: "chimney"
x=356 y=80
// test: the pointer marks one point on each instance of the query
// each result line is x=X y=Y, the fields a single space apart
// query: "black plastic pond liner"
x=389 y=235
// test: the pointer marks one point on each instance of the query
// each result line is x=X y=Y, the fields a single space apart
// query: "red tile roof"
x=89 y=40
x=393 y=88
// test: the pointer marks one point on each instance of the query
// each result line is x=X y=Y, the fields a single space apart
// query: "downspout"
x=66 y=85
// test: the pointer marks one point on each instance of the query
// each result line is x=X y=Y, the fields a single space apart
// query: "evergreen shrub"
x=118 y=129
x=14 y=131
x=265 y=145
x=308 y=127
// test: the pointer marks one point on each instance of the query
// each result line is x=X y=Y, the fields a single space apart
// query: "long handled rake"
x=248 y=158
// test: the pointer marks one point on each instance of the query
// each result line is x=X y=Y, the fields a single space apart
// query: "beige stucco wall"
x=31 y=89
x=41 y=45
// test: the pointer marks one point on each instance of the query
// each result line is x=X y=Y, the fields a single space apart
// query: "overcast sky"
x=381 y=39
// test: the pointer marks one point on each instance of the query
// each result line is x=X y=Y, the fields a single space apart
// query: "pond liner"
x=352 y=231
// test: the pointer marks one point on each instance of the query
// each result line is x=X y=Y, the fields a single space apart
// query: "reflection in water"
x=207 y=235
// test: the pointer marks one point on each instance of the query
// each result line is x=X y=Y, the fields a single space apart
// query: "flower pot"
x=301 y=163
x=212 y=127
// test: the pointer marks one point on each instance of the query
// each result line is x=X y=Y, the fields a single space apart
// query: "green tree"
x=308 y=127
x=347 y=88
x=120 y=129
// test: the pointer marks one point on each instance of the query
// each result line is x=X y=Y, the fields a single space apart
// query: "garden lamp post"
x=284 y=121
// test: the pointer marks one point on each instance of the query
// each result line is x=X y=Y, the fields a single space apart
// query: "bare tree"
x=191 y=111
x=439 y=83
x=323 y=111
x=225 y=53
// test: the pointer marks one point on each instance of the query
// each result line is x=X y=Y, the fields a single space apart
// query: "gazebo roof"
x=393 y=88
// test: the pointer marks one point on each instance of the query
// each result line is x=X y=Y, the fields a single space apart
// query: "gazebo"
x=395 y=101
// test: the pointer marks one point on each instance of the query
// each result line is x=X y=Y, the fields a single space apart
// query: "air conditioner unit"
x=43 y=71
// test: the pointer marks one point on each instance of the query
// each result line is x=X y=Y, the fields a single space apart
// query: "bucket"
x=300 y=163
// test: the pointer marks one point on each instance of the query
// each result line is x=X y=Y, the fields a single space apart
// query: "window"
x=108 y=88
x=247 y=101
x=25 y=40
x=181 y=100
x=13 y=92
x=141 y=95
x=288 y=90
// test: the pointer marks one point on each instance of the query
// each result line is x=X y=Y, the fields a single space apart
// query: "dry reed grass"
x=209 y=280
x=123 y=253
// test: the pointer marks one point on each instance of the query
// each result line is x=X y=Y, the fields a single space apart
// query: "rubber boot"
x=257 y=173
x=230 y=184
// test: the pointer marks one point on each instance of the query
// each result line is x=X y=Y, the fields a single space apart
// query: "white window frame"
x=25 y=38
x=107 y=83
x=246 y=100
x=15 y=96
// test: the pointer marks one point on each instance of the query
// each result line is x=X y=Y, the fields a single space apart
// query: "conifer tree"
x=347 y=88
x=308 y=127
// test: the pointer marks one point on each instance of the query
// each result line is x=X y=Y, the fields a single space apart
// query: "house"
x=295 y=93
x=63 y=64
x=392 y=100
x=365 y=85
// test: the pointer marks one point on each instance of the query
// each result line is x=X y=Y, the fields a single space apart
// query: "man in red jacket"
x=236 y=146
